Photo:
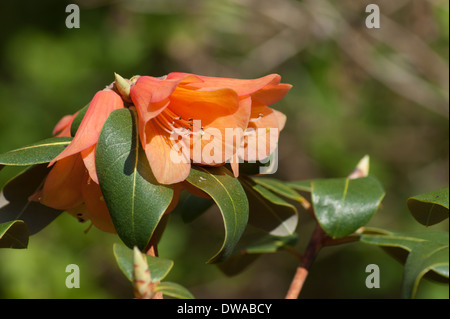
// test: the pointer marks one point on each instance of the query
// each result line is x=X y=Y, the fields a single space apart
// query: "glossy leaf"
x=15 y=203
x=174 y=290
x=136 y=201
x=158 y=267
x=77 y=120
x=228 y=194
x=427 y=251
x=429 y=208
x=343 y=205
x=37 y=153
x=14 y=234
x=268 y=211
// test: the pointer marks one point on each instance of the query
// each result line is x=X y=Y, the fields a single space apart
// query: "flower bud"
x=123 y=87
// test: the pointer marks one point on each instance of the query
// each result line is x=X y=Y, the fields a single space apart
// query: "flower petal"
x=150 y=95
x=204 y=106
x=88 y=156
x=62 y=187
x=96 y=209
x=261 y=137
x=240 y=86
x=221 y=137
x=167 y=158
x=103 y=103
x=271 y=94
x=63 y=125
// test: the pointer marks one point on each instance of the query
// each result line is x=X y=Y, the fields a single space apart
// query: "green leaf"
x=430 y=208
x=303 y=186
x=14 y=234
x=228 y=194
x=343 y=205
x=278 y=187
x=159 y=267
x=173 y=289
x=268 y=211
x=37 y=153
x=428 y=251
x=77 y=120
x=14 y=203
x=136 y=201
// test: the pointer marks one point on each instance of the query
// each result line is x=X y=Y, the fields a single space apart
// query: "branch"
x=314 y=245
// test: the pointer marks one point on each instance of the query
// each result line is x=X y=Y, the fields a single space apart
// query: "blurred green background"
x=356 y=91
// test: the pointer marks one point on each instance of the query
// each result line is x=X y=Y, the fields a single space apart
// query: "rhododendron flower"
x=183 y=120
x=169 y=108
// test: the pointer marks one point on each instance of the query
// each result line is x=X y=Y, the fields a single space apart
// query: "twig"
x=314 y=245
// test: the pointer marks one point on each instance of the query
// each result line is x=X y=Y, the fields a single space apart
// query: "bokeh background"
x=356 y=91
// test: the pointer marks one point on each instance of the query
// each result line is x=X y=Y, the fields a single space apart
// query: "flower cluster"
x=183 y=120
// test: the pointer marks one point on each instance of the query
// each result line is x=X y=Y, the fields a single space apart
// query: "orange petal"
x=261 y=137
x=96 y=209
x=240 y=86
x=103 y=103
x=150 y=95
x=204 y=106
x=221 y=136
x=63 y=124
x=88 y=156
x=234 y=163
x=62 y=187
x=271 y=94
x=168 y=164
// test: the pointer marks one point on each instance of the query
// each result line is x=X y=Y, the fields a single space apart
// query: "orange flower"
x=183 y=119
x=193 y=116
x=85 y=140
x=69 y=187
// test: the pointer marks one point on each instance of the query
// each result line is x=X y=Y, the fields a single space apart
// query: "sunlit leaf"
x=136 y=201
x=228 y=194
x=342 y=205
x=429 y=208
x=37 y=153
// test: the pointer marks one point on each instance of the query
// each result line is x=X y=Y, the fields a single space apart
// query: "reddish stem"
x=312 y=249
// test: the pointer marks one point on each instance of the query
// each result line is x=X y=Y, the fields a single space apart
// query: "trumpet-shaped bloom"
x=169 y=107
x=183 y=120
